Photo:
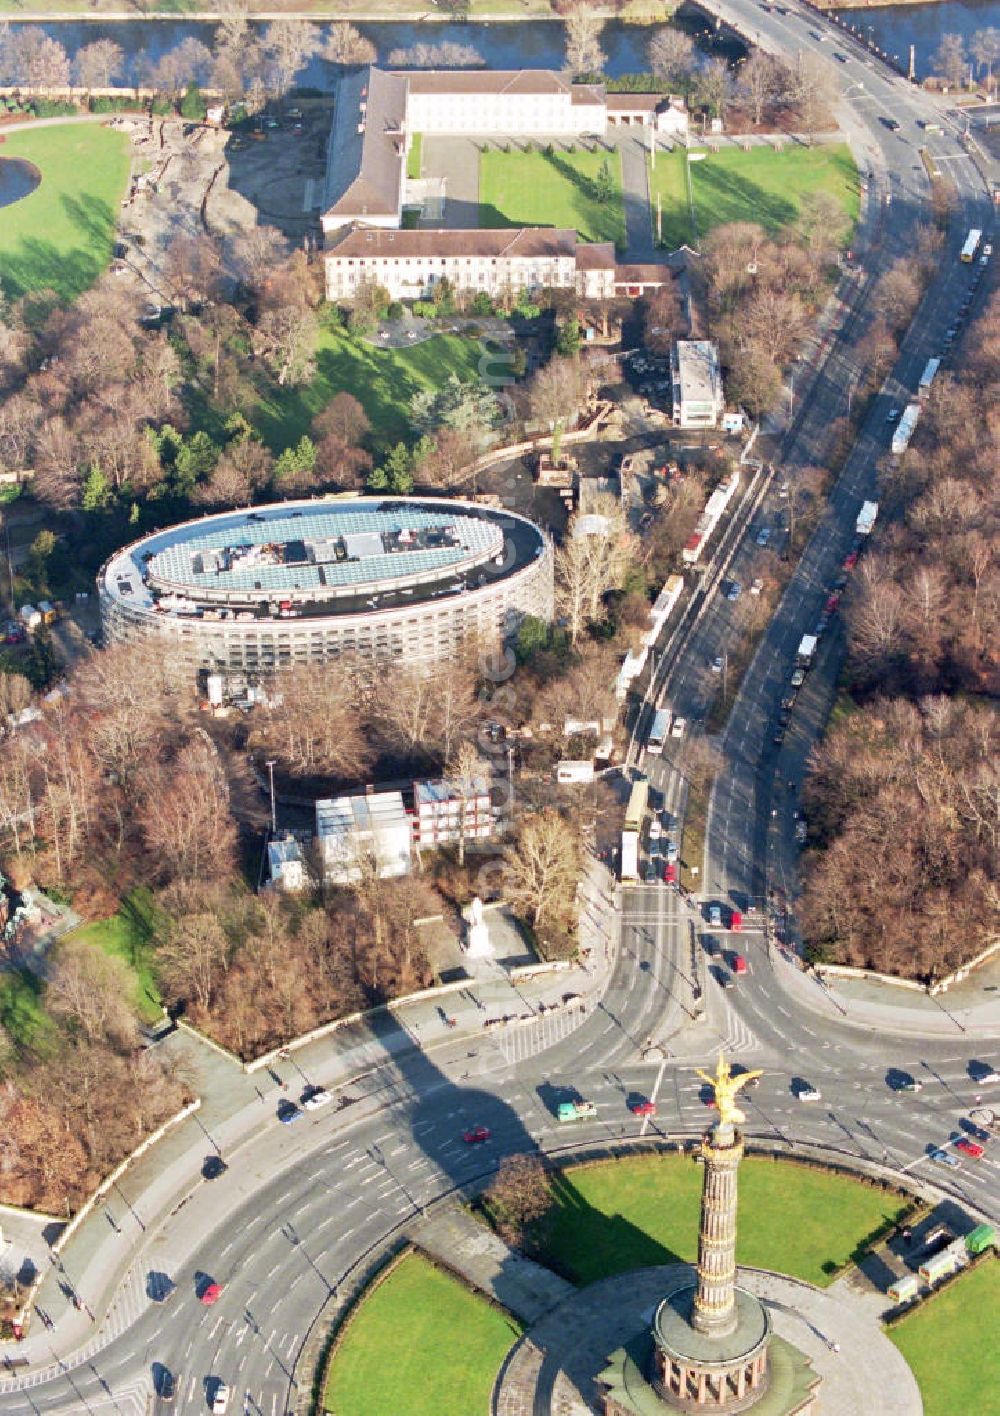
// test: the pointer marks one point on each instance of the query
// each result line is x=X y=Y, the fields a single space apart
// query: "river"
x=533 y=44
x=895 y=27
x=539 y=43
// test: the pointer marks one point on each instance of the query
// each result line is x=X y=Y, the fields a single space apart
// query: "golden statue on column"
x=726 y=1088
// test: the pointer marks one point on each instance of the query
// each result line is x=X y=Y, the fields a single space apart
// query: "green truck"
x=575 y=1110
x=984 y=1236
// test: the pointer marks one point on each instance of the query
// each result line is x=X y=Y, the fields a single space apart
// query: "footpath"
x=73 y=1313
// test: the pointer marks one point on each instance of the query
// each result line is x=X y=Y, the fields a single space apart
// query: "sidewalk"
x=965 y=1011
x=105 y=1259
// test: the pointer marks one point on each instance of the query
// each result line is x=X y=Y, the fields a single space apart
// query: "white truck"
x=805 y=651
x=905 y=429
x=866 y=518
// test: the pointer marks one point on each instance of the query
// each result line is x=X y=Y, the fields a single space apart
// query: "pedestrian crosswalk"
x=519 y=1041
x=129 y=1304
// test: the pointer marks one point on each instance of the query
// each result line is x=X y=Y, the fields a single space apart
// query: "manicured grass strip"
x=533 y=189
x=61 y=236
x=643 y=1211
x=422 y=1344
x=951 y=1345
x=762 y=186
x=127 y=935
x=383 y=379
x=413 y=157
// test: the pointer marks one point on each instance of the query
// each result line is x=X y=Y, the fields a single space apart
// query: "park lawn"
x=642 y=1211
x=128 y=936
x=761 y=185
x=533 y=189
x=950 y=1344
x=62 y=235
x=419 y=1343
x=383 y=379
x=22 y=1012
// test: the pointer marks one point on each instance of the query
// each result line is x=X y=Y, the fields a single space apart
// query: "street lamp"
x=274 y=819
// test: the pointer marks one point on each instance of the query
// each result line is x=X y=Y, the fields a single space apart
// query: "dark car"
x=892 y=124
x=166 y=1384
x=840 y=58
x=288 y=1112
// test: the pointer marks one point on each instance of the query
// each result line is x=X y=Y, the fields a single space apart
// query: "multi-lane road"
x=305 y=1204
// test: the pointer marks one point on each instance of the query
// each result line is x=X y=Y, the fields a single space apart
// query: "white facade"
x=361 y=833
x=286 y=867
x=697 y=383
x=504 y=110
x=440 y=807
x=409 y=264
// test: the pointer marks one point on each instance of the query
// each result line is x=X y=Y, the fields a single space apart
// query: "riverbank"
x=488 y=11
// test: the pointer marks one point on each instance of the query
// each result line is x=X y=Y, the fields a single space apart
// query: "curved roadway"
x=302 y=1205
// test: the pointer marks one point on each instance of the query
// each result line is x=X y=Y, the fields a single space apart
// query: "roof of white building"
x=364 y=172
x=529 y=242
x=697 y=364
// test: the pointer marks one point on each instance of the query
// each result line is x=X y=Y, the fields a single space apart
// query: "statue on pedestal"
x=477 y=942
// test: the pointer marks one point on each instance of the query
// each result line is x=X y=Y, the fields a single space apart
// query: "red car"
x=851 y=561
x=970 y=1148
x=832 y=602
x=739 y=964
x=211 y=1294
x=670 y=874
x=643 y=1108
x=735 y=921
x=475 y=1135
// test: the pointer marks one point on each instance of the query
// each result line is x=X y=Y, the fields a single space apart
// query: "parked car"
x=220 y=1401
x=970 y=1148
x=832 y=601
x=892 y=415
x=808 y=1093
x=715 y=916
x=801 y=830
x=763 y=535
x=643 y=1108
x=734 y=590
x=798 y=678
x=982 y=1075
x=756 y=586
x=316 y=1097
x=739 y=964
x=679 y=727
x=670 y=874
x=476 y=1135
x=210 y=1294
x=851 y=561
x=673 y=851
x=945 y=1157
x=288 y=1112
x=716 y=665
x=903 y=1082
x=655 y=829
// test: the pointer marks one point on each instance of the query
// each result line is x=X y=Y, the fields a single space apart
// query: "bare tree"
x=345 y=44
x=592 y=561
x=98 y=64
x=584 y=54
x=466 y=773
x=185 y=817
x=542 y=866
x=308 y=728
x=985 y=49
x=189 y=62
x=191 y=957
x=91 y=989
x=759 y=84
x=287 y=46
x=518 y=1196
x=950 y=60
x=671 y=54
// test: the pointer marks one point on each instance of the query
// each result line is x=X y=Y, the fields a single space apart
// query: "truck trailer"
x=866 y=518
x=905 y=429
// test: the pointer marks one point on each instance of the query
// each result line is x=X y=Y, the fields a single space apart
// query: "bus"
x=659 y=732
x=632 y=829
x=971 y=246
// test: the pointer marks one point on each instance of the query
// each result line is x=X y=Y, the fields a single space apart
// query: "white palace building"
x=378 y=114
